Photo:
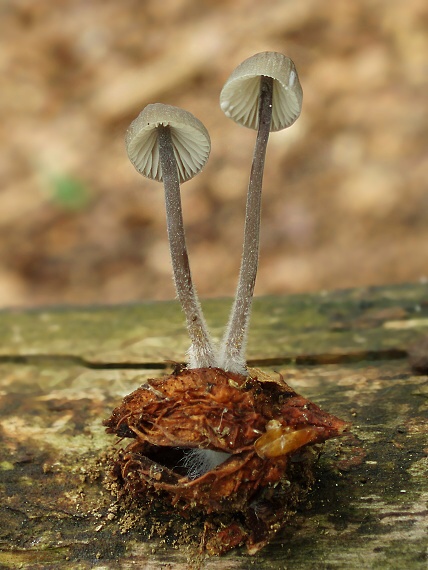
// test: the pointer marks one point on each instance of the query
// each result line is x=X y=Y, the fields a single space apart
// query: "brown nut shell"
x=208 y=408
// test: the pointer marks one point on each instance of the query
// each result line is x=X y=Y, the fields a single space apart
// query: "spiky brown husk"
x=251 y=495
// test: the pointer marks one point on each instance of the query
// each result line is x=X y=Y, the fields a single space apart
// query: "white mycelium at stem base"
x=170 y=145
x=263 y=93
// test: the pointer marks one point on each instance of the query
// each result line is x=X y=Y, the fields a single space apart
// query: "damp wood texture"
x=360 y=354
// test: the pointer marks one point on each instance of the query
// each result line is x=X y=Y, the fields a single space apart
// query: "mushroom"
x=262 y=93
x=169 y=144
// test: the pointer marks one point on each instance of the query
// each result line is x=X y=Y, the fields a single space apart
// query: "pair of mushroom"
x=214 y=438
x=169 y=144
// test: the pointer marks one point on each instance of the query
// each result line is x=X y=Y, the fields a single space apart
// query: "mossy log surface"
x=63 y=370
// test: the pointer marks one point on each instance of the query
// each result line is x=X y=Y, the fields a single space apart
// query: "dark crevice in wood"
x=333 y=358
x=62 y=360
x=299 y=360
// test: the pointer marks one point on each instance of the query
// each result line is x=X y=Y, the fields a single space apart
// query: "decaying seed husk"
x=269 y=433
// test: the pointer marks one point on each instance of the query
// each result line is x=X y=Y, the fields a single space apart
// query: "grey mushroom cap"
x=190 y=140
x=240 y=94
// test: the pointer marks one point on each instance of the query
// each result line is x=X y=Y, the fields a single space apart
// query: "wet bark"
x=63 y=371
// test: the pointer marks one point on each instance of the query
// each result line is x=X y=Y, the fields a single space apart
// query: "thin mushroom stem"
x=201 y=353
x=232 y=353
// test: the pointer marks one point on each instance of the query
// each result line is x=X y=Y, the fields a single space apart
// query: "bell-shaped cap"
x=239 y=98
x=190 y=140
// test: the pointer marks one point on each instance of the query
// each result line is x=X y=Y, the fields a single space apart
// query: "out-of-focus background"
x=345 y=189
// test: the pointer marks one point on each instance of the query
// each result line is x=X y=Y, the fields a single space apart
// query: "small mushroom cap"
x=239 y=98
x=190 y=140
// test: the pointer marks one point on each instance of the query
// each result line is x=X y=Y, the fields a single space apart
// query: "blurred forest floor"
x=345 y=191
